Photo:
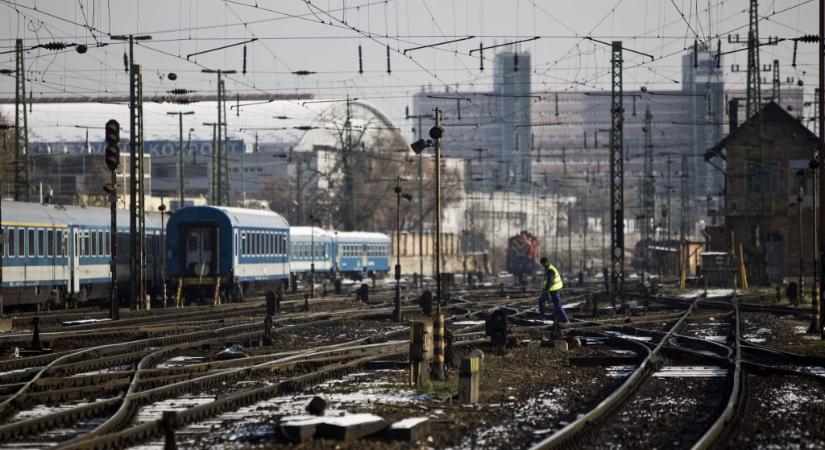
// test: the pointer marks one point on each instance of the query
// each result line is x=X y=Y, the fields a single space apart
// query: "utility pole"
x=181 y=189
x=137 y=260
x=556 y=233
x=22 y=190
x=419 y=131
x=436 y=133
x=668 y=189
x=349 y=182
x=648 y=190
x=817 y=306
x=213 y=175
x=139 y=207
x=617 y=176
x=754 y=96
x=3 y=237
x=684 y=210
x=570 y=237
x=221 y=195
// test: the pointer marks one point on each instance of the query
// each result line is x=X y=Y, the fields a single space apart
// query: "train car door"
x=201 y=251
x=74 y=260
x=365 y=259
x=235 y=250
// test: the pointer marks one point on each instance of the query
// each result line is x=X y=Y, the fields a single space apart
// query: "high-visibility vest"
x=557 y=283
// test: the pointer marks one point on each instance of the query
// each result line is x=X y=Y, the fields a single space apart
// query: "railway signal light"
x=112 y=144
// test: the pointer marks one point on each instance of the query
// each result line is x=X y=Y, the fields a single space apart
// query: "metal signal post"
x=112 y=162
x=399 y=194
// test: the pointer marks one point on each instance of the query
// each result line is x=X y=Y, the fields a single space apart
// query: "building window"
x=795 y=181
x=763 y=176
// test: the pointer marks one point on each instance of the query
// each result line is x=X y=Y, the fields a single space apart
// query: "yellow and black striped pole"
x=438 y=344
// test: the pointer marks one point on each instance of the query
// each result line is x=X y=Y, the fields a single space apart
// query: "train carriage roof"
x=33 y=214
x=237 y=217
x=28 y=213
x=306 y=232
x=362 y=236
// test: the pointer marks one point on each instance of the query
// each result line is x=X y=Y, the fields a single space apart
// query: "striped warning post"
x=438 y=344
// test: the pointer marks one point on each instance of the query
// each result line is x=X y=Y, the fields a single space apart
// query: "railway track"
x=662 y=387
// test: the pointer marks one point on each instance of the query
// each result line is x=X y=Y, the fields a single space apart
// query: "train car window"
x=64 y=246
x=93 y=236
x=21 y=242
x=50 y=242
x=207 y=241
x=100 y=244
x=271 y=244
x=31 y=242
x=41 y=248
x=86 y=244
x=11 y=244
x=107 y=239
x=192 y=241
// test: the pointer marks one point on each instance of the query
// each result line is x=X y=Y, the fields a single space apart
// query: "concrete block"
x=560 y=344
x=411 y=430
x=573 y=342
x=351 y=427
x=469 y=380
x=5 y=325
x=299 y=428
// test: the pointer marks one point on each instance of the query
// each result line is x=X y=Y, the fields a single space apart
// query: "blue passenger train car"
x=63 y=252
x=360 y=253
x=301 y=242
x=228 y=251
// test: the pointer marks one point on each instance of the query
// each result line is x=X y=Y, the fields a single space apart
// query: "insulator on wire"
x=54 y=45
x=389 y=69
x=515 y=61
x=695 y=53
x=481 y=56
x=244 y=60
x=808 y=39
x=795 y=44
x=718 y=53
x=360 y=61
x=179 y=91
x=125 y=62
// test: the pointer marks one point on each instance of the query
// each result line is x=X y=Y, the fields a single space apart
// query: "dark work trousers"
x=554 y=296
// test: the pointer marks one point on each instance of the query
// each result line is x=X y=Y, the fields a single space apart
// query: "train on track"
x=522 y=255
x=62 y=253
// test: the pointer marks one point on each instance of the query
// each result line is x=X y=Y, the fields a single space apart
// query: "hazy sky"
x=323 y=36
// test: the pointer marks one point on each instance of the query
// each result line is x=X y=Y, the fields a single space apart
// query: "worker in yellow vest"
x=552 y=286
